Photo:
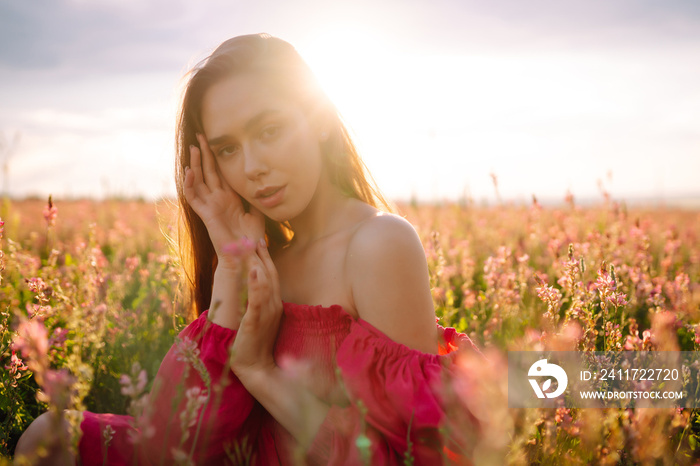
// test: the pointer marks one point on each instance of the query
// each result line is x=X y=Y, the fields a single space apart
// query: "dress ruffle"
x=396 y=401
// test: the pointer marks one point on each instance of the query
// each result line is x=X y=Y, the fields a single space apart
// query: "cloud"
x=105 y=36
x=110 y=35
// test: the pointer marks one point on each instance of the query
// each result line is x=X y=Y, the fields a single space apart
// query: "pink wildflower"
x=571 y=271
x=16 y=364
x=57 y=388
x=15 y=368
x=647 y=340
x=633 y=342
x=613 y=336
x=618 y=299
x=107 y=434
x=186 y=350
x=656 y=296
x=132 y=262
x=36 y=285
x=50 y=213
x=606 y=284
x=523 y=259
x=140 y=407
x=502 y=286
x=133 y=388
x=550 y=295
x=31 y=340
x=562 y=415
x=469 y=299
x=196 y=397
x=58 y=337
x=37 y=311
x=681 y=282
x=97 y=258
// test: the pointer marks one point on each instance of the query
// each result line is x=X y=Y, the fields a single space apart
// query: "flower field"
x=92 y=297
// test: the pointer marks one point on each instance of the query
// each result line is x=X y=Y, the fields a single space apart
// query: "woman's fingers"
x=211 y=176
x=199 y=185
x=264 y=286
x=189 y=185
x=258 y=291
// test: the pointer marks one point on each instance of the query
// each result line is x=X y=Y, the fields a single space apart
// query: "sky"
x=547 y=96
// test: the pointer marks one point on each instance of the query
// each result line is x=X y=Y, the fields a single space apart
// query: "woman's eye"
x=227 y=150
x=269 y=132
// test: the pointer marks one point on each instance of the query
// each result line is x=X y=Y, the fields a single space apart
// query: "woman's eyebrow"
x=249 y=124
x=257 y=118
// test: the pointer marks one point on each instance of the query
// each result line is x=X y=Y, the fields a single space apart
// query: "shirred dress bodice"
x=373 y=386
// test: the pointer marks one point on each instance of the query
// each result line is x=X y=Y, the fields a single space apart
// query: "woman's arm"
x=287 y=400
x=222 y=211
x=225 y=298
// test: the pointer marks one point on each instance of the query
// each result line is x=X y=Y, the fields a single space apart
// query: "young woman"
x=335 y=358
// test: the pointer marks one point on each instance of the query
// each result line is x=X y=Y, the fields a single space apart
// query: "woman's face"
x=265 y=146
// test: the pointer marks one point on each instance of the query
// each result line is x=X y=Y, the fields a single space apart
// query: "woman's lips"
x=273 y=198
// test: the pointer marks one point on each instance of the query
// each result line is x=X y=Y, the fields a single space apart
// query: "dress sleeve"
x=195 y=382
x=398 y=403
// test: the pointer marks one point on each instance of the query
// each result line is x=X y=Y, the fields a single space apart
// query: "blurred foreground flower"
x=32 y=342
x=58 y=388
x=134 y=386
x=240 y=248
x=482 y=424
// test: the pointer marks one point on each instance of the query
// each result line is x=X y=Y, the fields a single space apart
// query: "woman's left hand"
x=252 y=351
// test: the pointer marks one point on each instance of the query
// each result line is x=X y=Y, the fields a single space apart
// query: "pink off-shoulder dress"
x=385 y=400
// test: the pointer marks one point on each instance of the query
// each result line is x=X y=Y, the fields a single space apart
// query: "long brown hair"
x=279 y=65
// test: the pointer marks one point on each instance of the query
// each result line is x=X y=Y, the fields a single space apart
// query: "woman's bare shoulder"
x=386 y=232
x=389 y=280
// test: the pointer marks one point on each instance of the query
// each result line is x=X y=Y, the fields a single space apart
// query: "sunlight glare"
x=464 y=115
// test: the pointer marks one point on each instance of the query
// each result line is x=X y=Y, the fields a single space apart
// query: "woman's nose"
x=254 y=165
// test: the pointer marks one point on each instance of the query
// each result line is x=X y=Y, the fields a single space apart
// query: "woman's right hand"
x=218 y=205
